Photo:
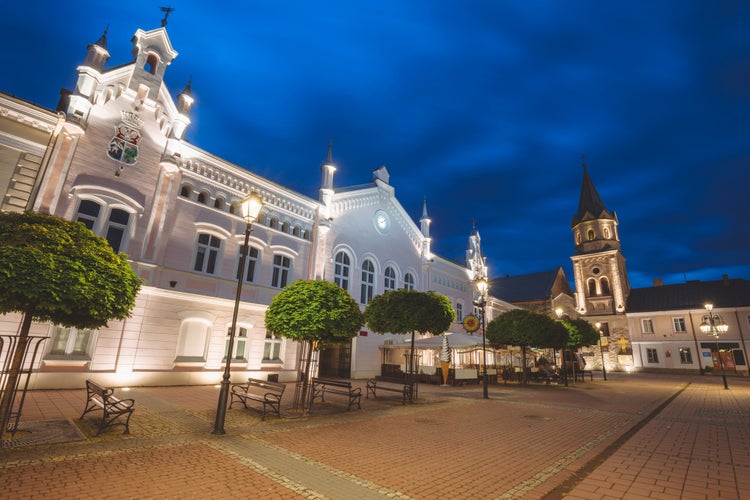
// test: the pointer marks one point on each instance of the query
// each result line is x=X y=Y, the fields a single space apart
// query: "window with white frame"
x=207 y=253
x=250 y=262
x=686 y=358
x=114 y=228
x=272 y=348
x=341 y=270
x=679 y=324
x=281 y=267
x=192 y=340
x=408 y=281
x=390 y=279
x=652 y=356
x=240 y=344
x=367 y=288
x=647 y=325
x=459 y=312
x=71 y=342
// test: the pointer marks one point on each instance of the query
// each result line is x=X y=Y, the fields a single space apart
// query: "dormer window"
x=590 y=235
x=151 y=63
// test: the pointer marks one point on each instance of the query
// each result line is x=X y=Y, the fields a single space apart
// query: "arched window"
x=285 y=228
x=408 y=281
x=296 y=231
x=273 y=223
x=590 y=234
x=219 y=203
x=591 y=283
x=578 y=237
x=367 y=288
x=604 y=285
x=151 y=63
x=341 y=268
x=390 y=279
x=606 y=232
x=185 y=191
x=202 y=197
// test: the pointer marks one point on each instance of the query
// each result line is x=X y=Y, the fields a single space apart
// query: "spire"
x=590 y=201
x=424 y=221
x=102 y=42
x=329 y=156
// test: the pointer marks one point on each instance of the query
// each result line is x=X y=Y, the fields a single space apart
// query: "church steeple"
x=97 y=54
x=601 y=281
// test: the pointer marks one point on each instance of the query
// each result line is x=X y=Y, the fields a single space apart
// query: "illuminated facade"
x=115 y=159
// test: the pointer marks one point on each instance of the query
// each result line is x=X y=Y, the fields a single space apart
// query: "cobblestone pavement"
x=633 y=436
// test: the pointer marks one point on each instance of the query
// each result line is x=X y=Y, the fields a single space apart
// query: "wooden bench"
x=112 y=408
x=406 y=389
x=261 y=392
x=581 y=375
x=323 y=386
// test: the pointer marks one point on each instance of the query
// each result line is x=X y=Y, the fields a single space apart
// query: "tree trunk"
x=15 y=371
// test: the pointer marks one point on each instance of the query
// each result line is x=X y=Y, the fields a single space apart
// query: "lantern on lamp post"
x=481 y=304
x=250 y=208
x=712 y=324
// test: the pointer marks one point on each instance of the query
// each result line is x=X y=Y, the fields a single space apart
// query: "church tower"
x=602 y=286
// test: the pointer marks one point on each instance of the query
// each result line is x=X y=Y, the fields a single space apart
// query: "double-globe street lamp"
x=250 y=208
x=481 y=303
x=712 y=324
x=601 y=348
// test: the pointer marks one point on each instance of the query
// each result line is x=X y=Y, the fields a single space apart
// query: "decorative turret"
x=325 y=192
x=184 y=104
x=97 y=53
x=424 y=221
x=152 y=52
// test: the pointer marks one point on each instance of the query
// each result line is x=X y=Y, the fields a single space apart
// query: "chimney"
x=725 y=277
x=658 y=282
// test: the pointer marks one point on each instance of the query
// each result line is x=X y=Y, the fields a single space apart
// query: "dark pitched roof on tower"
x=590 y=202
x=102 y=42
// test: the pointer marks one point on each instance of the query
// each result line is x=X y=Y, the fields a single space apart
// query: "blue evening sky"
x=484 y=107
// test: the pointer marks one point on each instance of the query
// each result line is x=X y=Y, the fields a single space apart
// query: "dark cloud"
x=482 y=107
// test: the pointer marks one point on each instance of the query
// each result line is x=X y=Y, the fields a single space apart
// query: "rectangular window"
x=250 y=262
x=685 y=357
x=281 y=266
x=459 y=313
x=647 y=325
x=272 y=348
x=240 y=343
x=70 y=342
x=207 y=253
x=679 y=324
x=604 y=328
x=652 y=356
x=116 y=226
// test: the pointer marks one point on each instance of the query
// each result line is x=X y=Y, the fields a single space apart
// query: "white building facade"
x=116 y=160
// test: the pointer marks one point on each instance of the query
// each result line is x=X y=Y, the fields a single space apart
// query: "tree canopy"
x=314 y=311
x=52 y=269
x=582 y=333
x=409 y=311
x=524 y=328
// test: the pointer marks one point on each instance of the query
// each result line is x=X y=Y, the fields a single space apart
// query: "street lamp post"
x=559 y=313
x=601 y=348
x=712 y=324
x=250 y=207
x=481 y=303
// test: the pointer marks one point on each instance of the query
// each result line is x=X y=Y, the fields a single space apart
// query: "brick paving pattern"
x=633 y=436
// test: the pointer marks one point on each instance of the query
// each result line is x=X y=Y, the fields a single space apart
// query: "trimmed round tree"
x=56 y=270
x=314 y=313
x=409 y=311
x=524 y=328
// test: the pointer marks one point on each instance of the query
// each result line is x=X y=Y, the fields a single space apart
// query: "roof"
x=525 y=287
x=590 y=202
x=690 y=295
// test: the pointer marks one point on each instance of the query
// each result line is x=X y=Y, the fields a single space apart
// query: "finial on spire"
x=167 y=11
x=188 y=90
x=424 y=209
x=102 y=42
x=583 y=161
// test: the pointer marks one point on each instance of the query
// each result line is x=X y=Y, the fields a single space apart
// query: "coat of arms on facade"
x=124 y=145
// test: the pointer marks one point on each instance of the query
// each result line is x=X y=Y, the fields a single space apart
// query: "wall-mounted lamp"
x=173 y=284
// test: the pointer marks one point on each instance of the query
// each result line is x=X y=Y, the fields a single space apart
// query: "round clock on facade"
x=382 y=222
